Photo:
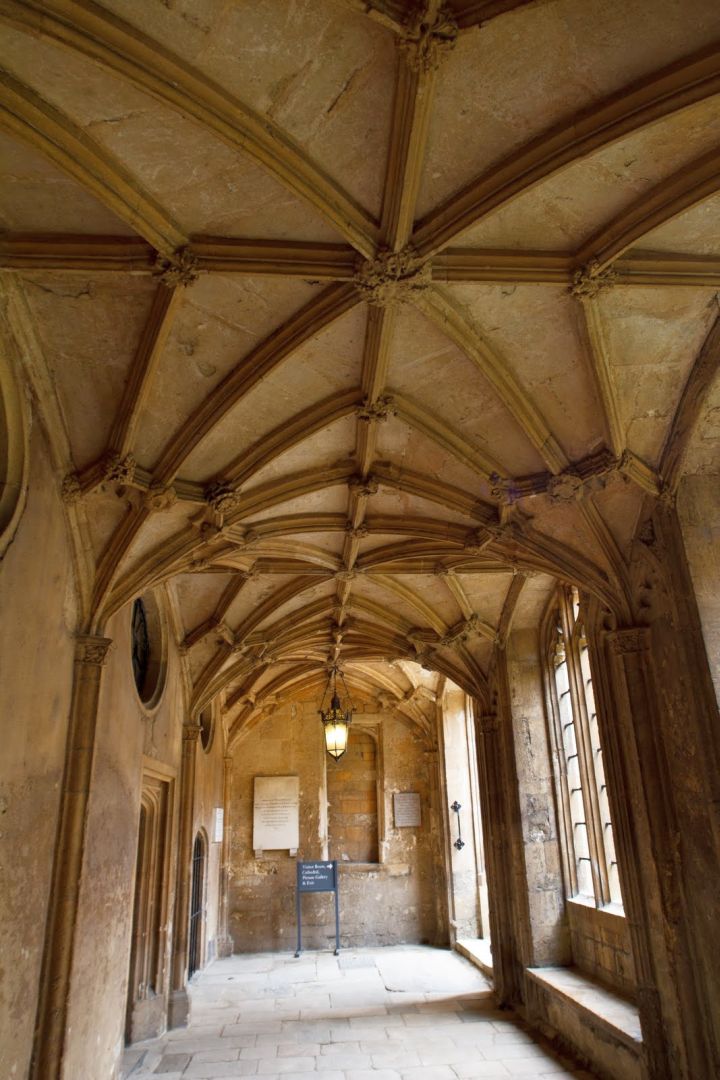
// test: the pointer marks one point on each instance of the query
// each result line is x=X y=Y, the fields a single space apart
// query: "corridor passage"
x=402 y=1013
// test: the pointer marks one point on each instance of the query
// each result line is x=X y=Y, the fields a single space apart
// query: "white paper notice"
x=219 y=825
x=276 y=813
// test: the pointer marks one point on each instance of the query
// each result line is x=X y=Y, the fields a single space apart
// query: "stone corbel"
x=91 y=650
x=191 y=732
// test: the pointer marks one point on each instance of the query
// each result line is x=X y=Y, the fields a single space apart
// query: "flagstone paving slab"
x=398 y=1013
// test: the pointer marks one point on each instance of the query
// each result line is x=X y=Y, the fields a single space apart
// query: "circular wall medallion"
x=148 y=649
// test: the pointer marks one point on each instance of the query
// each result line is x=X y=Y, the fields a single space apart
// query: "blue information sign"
x=317 y=877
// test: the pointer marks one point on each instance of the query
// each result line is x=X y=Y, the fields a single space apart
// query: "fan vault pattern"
x=366 y=321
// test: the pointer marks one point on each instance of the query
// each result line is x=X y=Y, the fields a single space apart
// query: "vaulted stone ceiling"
x=361 y=322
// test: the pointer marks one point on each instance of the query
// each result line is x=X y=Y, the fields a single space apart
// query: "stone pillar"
x=437 y=847
x=50 y=1028
x=497 y=786
x=224 y=940
x=641 y=778
x=178 y=1005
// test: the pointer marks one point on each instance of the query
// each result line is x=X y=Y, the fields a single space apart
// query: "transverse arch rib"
x=104 y=37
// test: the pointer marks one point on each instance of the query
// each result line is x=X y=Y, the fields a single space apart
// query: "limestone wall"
x=125 y=732
x=541 y=843
x=601 y=946
x=384 y=903
x=36 y=669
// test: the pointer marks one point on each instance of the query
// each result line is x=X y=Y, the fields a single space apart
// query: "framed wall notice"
x=406 y=805
x=276 y=813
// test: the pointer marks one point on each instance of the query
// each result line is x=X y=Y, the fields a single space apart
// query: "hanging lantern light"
x=336 y=720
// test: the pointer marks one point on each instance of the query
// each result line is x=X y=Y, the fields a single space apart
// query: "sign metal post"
x=317 y=877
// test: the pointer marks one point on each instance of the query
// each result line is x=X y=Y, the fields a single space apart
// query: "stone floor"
x=402 y=1013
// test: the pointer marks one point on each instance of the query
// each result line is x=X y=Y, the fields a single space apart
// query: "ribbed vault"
x=365 y=321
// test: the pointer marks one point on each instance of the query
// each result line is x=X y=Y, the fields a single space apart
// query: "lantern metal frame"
x=336 y=720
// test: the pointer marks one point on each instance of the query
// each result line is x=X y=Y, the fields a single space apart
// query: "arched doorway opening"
x=197 y=906
x=147 y=979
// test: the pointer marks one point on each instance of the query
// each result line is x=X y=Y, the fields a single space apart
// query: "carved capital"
x=91 y=650
x=394 y=277
x=117 y=467
x=632 y=639
x=363 y=485
x=591 y=279
x=379 y=409
x=222 y=497
x=427 y=42
x=71 y=489
x=178 y=269
x=191 y=732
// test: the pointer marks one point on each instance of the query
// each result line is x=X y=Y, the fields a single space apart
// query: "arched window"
x=589 y=846
x=197 y=906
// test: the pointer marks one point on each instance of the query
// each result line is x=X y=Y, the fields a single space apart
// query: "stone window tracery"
x=588 y=843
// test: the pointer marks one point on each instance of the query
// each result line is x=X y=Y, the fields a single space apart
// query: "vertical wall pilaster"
x=224 y=941
x=655 y=850
x=51 y=1023
x=178 y=1004
x=636 y=799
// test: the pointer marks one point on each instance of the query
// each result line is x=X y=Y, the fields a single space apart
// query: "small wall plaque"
x=406 y=805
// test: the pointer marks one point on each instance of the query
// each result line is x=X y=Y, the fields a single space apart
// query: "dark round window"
x=147 y=649
x=206 y=729
x=140 y=646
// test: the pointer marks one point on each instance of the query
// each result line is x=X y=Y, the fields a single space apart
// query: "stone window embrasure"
x=352 y=792
x=591 y=869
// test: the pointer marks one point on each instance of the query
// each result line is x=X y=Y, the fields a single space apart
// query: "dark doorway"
x=146 y=982
x=197 y=894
